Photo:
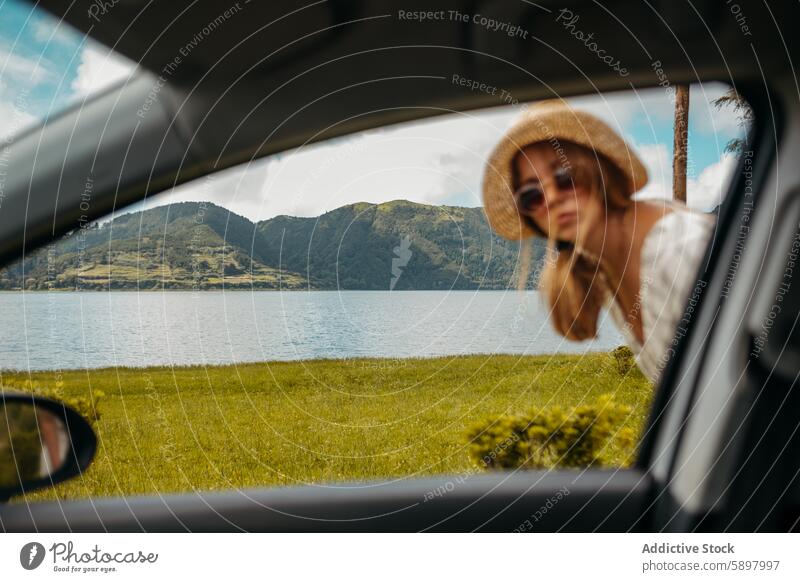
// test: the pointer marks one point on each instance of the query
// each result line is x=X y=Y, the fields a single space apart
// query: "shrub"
x=20 y=447
x=552 y=438
x=19 y=425
x=86 y=406
x=624 y=360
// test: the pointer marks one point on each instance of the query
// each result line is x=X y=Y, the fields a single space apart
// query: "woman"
x=564 y=175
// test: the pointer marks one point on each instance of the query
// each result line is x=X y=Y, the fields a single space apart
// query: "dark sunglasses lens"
x=563 y=179
x=531 y=198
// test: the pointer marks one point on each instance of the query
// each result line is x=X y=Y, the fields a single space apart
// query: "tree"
x=680 y=142
x=731 y=98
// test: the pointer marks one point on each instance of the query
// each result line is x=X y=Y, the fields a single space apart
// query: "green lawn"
x=288 y=423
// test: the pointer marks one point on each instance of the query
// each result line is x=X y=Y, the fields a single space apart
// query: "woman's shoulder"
x=677 y=232
x=671 y=255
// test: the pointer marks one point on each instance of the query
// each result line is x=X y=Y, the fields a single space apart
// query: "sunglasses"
x=530 y=197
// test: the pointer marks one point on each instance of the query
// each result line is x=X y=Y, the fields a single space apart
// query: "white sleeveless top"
x=670 y=258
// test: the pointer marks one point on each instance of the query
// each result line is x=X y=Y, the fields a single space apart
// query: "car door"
x=734 y=433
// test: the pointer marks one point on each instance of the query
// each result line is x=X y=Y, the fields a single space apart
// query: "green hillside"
x=194 y=245
x=182 y=246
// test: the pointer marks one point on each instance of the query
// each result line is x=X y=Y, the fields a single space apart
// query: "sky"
x=45 y=67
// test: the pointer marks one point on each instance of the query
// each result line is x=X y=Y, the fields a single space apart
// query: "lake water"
x=58 y=330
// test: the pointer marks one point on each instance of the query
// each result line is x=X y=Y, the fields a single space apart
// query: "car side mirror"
x=42 y=442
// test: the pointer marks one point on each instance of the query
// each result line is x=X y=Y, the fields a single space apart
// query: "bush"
x=86 y=406
x=19 y=425
x=552 y=438
x=624 y=360
x=20 y=446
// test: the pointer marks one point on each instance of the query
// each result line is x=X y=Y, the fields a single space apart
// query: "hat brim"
x=553 y=124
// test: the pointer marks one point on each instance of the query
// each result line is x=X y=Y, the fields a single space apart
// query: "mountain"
x=198 y=245
x=357 y=246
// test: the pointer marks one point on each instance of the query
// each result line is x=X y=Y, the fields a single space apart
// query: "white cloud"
x=707 y=117
x=432 y=162
x=13 y=116
x=58 y=31
x=424 y=162
x=100 y=68
x=26 y=70
x=657 y=160
x=708 y=190
x=704 y=192
x=21 y=76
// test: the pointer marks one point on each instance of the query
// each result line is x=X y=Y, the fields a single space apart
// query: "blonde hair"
x=573 y=286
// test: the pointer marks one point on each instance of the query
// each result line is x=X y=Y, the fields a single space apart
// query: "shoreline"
x=315 y=361
x=239 y=289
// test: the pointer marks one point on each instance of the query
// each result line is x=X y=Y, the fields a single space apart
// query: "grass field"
x=167 y=430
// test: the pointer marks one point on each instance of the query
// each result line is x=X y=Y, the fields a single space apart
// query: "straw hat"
x=550 y=121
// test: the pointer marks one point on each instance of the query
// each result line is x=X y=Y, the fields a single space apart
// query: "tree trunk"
x=680 y=144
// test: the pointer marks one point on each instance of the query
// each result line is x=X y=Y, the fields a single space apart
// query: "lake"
x=64 y=330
